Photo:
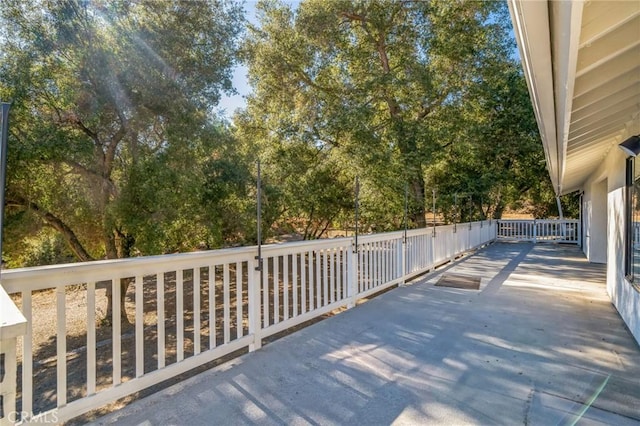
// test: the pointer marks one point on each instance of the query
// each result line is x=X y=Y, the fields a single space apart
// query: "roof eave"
x=548 y=34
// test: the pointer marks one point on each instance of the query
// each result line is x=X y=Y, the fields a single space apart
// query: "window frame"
x=628 y=207
x=632 y=198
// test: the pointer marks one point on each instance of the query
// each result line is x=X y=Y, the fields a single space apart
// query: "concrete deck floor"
x=539 y=344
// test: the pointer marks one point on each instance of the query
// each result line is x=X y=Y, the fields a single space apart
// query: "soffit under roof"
x=594 y=51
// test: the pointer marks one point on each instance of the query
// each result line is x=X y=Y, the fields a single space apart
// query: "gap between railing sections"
x=193 y=308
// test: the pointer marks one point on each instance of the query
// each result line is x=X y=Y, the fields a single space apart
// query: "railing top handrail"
x=540 y=220
x=190 y=256
x=300 y=246
x=450 y=226
x=12 y=322
x=48 y=276
x=379 y=236
x=39 y=277
x=173 y=257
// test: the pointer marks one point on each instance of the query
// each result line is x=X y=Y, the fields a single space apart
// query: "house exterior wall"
x=595 y=217
x=623 y=295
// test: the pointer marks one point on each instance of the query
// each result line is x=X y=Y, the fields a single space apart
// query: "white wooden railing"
x=536 y=230
x=185 y=310
x=636 y=234
x=13 y=325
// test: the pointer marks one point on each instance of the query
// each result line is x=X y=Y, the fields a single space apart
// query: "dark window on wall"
x=628 y=241
x=632 y=213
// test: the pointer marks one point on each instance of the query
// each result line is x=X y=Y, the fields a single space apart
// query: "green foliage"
x=228 y=199
x=112 y=121
x=47 y=248
x=415 y=95
x=115 y=147
x=494 y=159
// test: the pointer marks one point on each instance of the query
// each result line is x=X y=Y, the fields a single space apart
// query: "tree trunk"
x=416 y=211
x=404 y=137
x=499 y=209
x=112 y=253
x=413 y=172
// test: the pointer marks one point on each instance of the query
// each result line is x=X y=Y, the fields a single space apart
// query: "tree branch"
x=93 y=135
x=56 y=223
x=428 y=109
x=329 y=221
x=79 y=168
x=381 y=48
x=309 y=223
x=112 y=147
x=306 y=79
x=351 y=16
x=73 y=119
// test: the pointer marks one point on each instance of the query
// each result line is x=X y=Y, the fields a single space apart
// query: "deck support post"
x=12 y=325
x=352 y=277
x=255 y=273
x=402 y=253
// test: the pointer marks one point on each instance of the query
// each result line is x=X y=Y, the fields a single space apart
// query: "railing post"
x=8 y=384
x=255 y=329
x=579 y=232
x=352 y=274
x=535 y=231
x=12 y=325
x=403 y=259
